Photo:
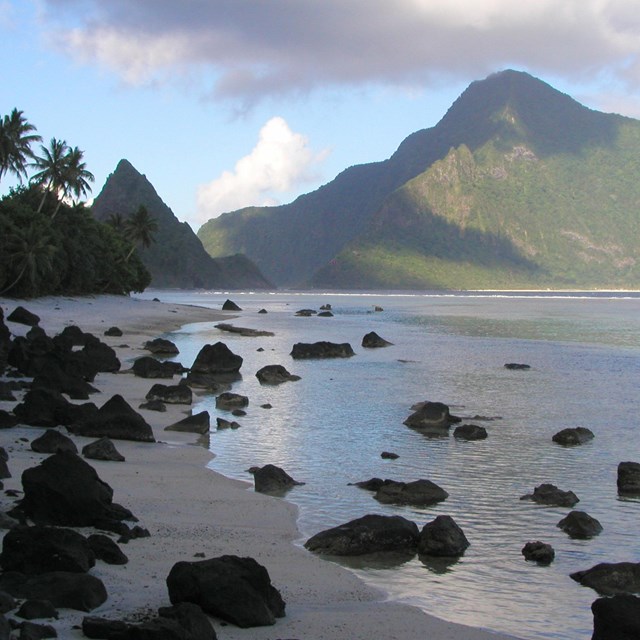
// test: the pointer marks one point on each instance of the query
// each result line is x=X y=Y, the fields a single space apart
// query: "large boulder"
x=548 y=494
x=580 y=525
x=64 y=490
x=230 y=305
x=52 y=376
x=99 y=357
x=273 y=480
x=148 y=367
x=616 y=618
x=116 y=419
x=539 y=552
x=217 y=360
x=323 y=349
x=235 y=589
x=629 y=478
x=275 y=374
x=42 y=408
x=41 y=549
x=419 y=493
x=191 y=618
x=372 y=340
x=106 y=549
x=4 y=467
x=80 y=591
x=442 y=537
x=197 y=423
x=429 y=416
x=611 y=578
x=171 y=394
x=52 y=441
x=573 y=436
x=370 y=534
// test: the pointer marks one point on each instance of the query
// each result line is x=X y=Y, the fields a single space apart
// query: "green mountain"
x=517 y=186
x=177 y=257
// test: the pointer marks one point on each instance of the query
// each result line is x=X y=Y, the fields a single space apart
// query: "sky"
x=224 y=104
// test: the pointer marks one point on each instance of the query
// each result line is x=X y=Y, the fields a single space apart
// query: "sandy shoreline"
x=189 y=509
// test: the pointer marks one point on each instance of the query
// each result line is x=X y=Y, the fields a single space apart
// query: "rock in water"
x=442 y=537
x=573 y=436
x=539 y=552
x=580 y=525
x=420 y=493
x=629 y=478
x=65 y=490
x=616 y=618
x=470 y=432
x=161 y=346
x=273 y=480
x=275 y=374
x=431 y=415
x=369 y=534
x=198 y=423
x=218 y=360
x=373 y=341
x=305 y=351
x=234 y=589
x=611 y=578
x=230 y=305
x=550 y=495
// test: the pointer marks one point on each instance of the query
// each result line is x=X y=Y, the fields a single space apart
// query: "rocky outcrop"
x=616 y=618
x=430 y=416
x=369 y=534
x=230 y=305
x=274 y=374
x=171 y=394
x=244 y=331
x=217 y=360
x=419 y=493
x=539 y=552
x=372 y=340
x=580 y=525
x=470 y=432
x=117 y=420
x=517 y=366
x=64 y=490
x=273 y=480
x=629 y=478
x=442 y=537
x=197 y=423
x=550 y=495
x=323 y=349
x=573 y=436
x=231 y=588
x=611 y=578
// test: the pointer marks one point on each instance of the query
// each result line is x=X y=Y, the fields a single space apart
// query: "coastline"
x=190 y=509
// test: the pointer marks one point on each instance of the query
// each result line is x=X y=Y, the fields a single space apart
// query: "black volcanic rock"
x=442 y=537
x=177 y=257
x=616 y=618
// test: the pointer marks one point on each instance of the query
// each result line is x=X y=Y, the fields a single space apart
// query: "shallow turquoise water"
x=329 y=429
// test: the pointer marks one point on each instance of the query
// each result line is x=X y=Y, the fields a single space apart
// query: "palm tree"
x=30 y=251
x=78 y=177
x=16 y=138
x=52 y=167
x=141 y=228
x=116 y=221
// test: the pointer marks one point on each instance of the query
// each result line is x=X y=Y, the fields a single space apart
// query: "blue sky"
x=231 y=103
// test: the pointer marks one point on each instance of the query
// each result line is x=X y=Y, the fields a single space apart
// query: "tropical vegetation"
x=49 y=241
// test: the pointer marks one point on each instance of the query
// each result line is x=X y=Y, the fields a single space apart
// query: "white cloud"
x=280 y=161
x=246 y=50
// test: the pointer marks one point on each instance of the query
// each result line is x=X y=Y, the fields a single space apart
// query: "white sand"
x=189 y=509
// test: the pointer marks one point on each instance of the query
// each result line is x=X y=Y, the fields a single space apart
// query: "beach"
x=192 y=512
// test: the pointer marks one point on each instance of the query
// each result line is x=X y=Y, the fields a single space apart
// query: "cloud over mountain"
x=246 y=50
x=280 y=161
